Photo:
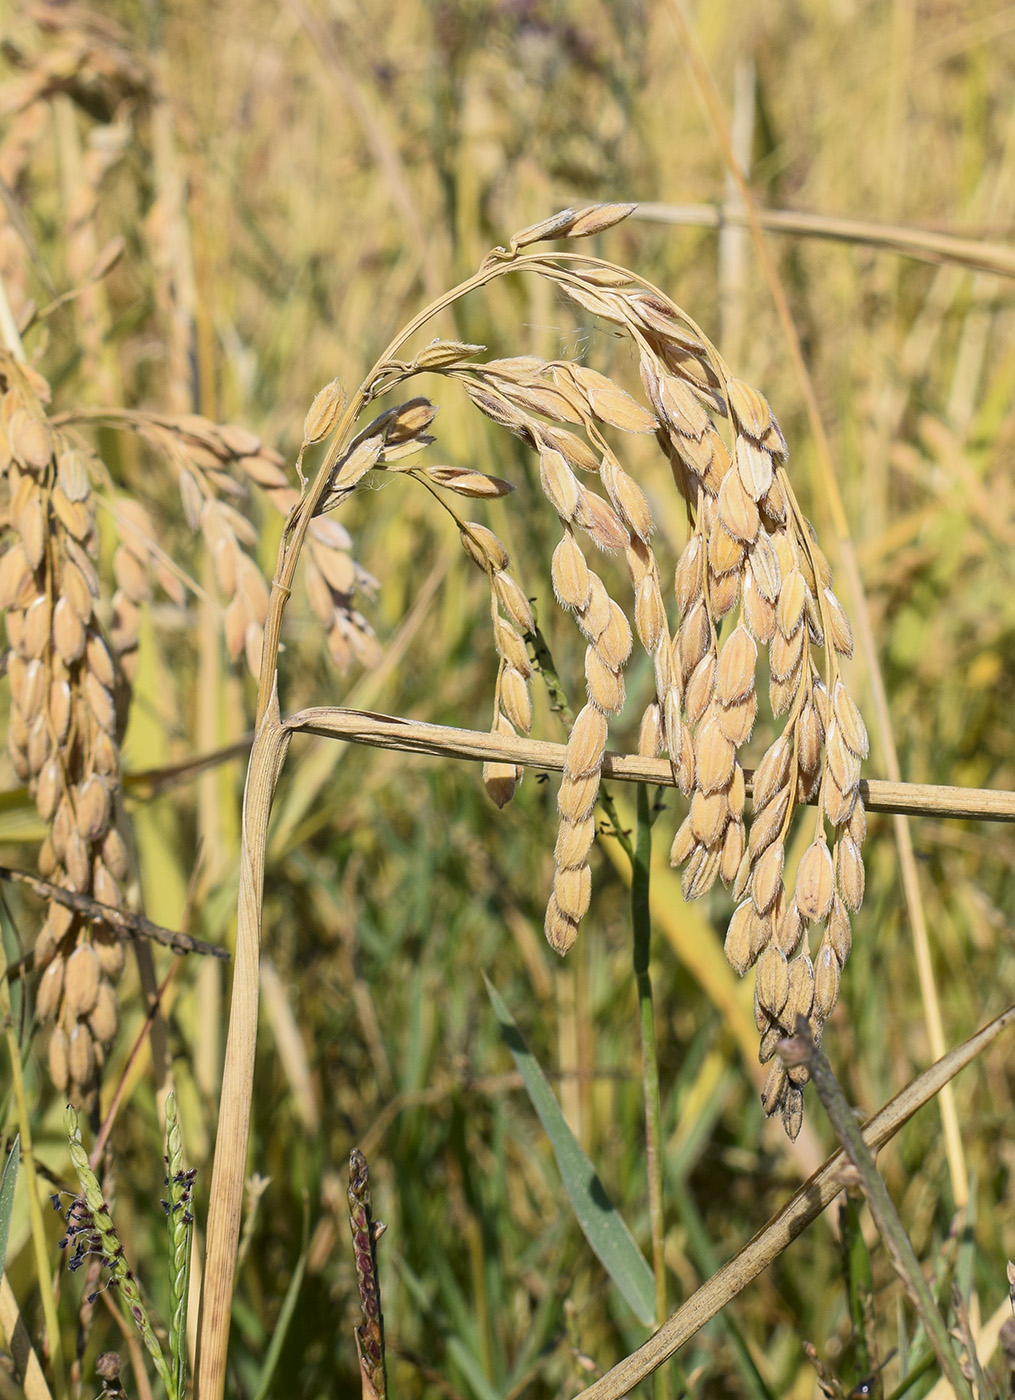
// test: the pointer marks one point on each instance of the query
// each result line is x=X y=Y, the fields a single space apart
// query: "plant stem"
x=226 y=1194
x=642 y=930
x=802 y=1050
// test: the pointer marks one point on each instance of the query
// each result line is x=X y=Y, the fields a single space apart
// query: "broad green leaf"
x=7 y=1184
x=601 y=1224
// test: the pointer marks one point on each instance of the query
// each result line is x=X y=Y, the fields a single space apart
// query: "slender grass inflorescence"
x=751 y=579
x=90 y=1224
x=180 y=1221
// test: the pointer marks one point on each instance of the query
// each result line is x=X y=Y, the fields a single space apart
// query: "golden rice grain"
x=104 y=1018
x=843 y=763
x=700 y=872
x=689 y=574
x=758 y=612
x=713 y=757
x=827 y=975
x=586 y=744
x=614 y=642
x=851 y=725
x=514 y=696
x=737 y=662
x=766 y=881
x=768 y=823
x=815 y=881
x=559 y=483
x=750 y=407
x=709 y=815
x=561 y=931
x=772 y=980
x=700 y=687
x=693 y=639
x=724 y=552
x=574 y=841
x=649 y=613
x=849 y=872
x=514 y=602
x=754 y=467
x=732 y=852
x=737 y=511
x=576 y=796
x=58 y=1059
x=80 y=1056
x=594 y=618
x=764 y=567
x=50 y=988
x=572 y=889
x=570 y=574
x=772 y=772
x=605 y=685
x=792 y=599
x=788 y=927
x=838 y=931
x=724 y=590
x=323 y=413
x=837 y=624
x=738 y=938
x=774 y=1088
x=81 y=980
x=737 y=720
x=837 y=806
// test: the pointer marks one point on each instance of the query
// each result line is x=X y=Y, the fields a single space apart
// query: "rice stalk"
x=750 y=545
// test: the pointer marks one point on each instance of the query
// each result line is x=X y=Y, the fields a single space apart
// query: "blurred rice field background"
x=292 y=183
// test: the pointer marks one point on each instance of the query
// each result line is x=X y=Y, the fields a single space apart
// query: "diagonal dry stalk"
x=803 y=1207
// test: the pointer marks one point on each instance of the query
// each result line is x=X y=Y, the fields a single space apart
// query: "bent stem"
x=271 y=743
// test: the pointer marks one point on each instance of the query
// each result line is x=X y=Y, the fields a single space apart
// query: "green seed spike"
x=112 y=1252
x=180 y=1226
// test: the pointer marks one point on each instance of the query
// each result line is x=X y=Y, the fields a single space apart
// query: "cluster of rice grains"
x=67 y=712
x=72 y=657
x=751 y=578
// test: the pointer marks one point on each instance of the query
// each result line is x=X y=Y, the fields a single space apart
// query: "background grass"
x=291 y=182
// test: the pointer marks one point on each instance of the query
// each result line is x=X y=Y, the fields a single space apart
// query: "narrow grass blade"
x=7 y=1183
x=285 y=1315
x=601 y=1224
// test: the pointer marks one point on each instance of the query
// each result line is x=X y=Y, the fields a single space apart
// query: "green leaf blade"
x=7 y=1183
x=601 y=1223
